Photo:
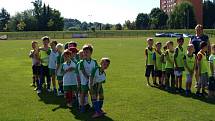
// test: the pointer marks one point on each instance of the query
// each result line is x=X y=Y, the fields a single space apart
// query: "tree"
x=4 y=19
x=208 y=16
x=107 y=26
x=158 y=18
x=142 y=21
x=84 y=26
x=118 y=26
x=182 y=16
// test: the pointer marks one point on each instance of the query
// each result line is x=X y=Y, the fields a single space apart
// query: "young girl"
x=69 y=77
x=34 y=54
x=97 y=78
x=59 y=72
x=189 y=62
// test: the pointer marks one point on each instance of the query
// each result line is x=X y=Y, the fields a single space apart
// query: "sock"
x=96 y=105
x=37 y=83
x=34 y=80
x=100 y=104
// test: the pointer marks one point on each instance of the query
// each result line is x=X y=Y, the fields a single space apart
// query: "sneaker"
x=59 y=93
x=103 y=112
x=181 y=90
x=204 y=93
x=35 y=89
x=55 y=91
x=69 y=105
x=96 y=115
x=32 y=85
x=39 y=91
x=187 y=92
x=198 y=94
x=49 y=90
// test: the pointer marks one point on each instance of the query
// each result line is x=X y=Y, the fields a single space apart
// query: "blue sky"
x=105 y=11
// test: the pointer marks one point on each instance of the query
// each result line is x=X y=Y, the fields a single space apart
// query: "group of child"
x=167 y=66
x=78 y=75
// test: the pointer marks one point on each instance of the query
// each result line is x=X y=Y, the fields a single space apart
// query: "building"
x=168 y=6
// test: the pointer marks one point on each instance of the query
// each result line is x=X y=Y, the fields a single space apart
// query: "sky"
x=105 y=11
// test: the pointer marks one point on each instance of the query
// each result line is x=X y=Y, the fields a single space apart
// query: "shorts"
x=84 y=88
x=211 y=84
x=178 y=73
x=70 y=88
x=96 y=90
x=189 y=78
x=36 y=70
x=150 y=70
x=60 y=78
x=52 y=71
x=158 y=73
x=203 y=80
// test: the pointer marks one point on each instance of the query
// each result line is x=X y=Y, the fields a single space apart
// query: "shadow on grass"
x=50 y=98
x=192 y=95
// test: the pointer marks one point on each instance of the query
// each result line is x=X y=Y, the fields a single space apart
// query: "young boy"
x=59 y=72
x=169 y=67
x=85 y=68
x=97 y=78
x=69 y=77
x=189 y=63
x=158 y=63
x=211 y=85
x=163 y=60
x=44 y=52
x=150 y=63
x=179 y=64
x=34 y=54
x=52 y=64
x=202 y=63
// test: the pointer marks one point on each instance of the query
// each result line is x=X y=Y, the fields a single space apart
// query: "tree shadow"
x=50 y=98
x=192 y=95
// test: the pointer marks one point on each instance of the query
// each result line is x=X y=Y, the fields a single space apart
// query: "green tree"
x=182 y=16
x=158 y=18
x=118 y=26
x=4 y=19
x=142 y=21
x=209 y=16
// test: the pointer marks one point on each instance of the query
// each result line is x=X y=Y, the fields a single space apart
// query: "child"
x=97 y=78
x=52 y=64
x=163 y=59
x=85 y=68
x=158 y=63
x=59 y=72
x=34 y=54
x=149 y=52
x=179 y=64
x=202 y=63
x=44 y=52
x=211 y=86
x=190 y=63
x=69 y=76
x=169 y=67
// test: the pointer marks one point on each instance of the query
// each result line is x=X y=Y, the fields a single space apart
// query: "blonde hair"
x=59 y=46
x=198 y=26
x=105 y=59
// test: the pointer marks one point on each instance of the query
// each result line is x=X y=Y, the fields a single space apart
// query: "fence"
x=97 y=34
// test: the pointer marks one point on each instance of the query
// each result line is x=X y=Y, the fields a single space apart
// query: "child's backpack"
x=211 y=84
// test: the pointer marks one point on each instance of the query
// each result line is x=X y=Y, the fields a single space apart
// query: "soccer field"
x=127 y=98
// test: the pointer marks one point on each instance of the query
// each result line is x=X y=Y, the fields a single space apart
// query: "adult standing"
x=196 y=41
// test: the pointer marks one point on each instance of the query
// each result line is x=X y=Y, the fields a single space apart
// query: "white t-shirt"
x=34 y=60
x=98 y=76
x=53 y=59
x=88 y=66
x=212 y=60
x=69 y=78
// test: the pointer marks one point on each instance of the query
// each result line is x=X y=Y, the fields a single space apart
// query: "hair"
x=45 y=38
x=198 y=26
x=158 y=43
x=180 y=38
x=105 y=59
x=203 y=44
x=66 y=52
x=88 y=47
x=213 y=46
x=169 y=42
x=74 y=43
x=34 y=42
x=165 y=47
x=54 y=42
x=59 y=45
x=190 y=45
x=149 y=39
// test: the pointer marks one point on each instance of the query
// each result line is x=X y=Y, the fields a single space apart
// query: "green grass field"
x=127 y=98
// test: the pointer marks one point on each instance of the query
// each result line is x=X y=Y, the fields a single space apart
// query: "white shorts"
x=189 y=78
x=178 y=73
